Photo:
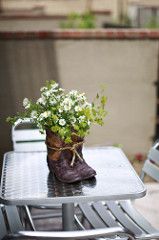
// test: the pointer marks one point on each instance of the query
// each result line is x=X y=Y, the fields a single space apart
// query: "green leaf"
x=97 y=96
x=103 y=101
x=47 y=115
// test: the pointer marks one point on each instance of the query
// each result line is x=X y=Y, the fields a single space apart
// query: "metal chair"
x=27 y=138
x=12 y=228
x=151 y=165
x=123 y=213
x=148 y=204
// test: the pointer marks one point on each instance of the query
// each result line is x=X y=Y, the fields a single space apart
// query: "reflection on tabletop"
x=59 y=189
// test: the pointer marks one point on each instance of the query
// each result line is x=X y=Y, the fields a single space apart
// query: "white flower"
x=67 y=104
x=88 y=105
x=41 y=100
x=47 y=114
x=67 y=107
x=43 y=89
x=60 y=110
x=53 y=90
x=59 y=97
x=54 y=85
x=52 y=101
x=78 y=109
x=33 y=114
x=61 y=89
x=82 y=97
x=44 y=115
x=73 y=120
x=66 y=101
x=62 y=122
x=47 y=93
x=89 y=123
x=82 y=118
x=26 y=103
x=73 y=93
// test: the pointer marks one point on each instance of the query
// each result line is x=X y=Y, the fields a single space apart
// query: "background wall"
x=128 y=69
x=25 y=65
x=125 y=61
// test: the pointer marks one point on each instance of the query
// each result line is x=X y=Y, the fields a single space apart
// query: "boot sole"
x=88 y=177
x=63 y=181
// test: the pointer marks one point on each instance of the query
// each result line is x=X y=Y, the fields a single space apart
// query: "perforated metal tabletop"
x=26 y=179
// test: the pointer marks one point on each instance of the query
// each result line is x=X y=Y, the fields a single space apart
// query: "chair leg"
x=79 y=223
x=3 y=228
x=29 y=218
x=142 y=175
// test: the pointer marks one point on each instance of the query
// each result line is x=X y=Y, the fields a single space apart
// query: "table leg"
x=68 y=216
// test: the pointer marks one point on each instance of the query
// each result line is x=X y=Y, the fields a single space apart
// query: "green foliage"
x=80 y=21
x=118 y=145
x=152 y=24
x=125 y=20
x=63 y=113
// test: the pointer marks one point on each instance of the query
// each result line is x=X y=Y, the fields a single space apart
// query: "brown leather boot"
x=68 y=164
x=84 y=170
x=82 y=167
x=63 y=171
x=59 y=162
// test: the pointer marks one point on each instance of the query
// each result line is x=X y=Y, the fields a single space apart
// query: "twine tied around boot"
x=72 y=148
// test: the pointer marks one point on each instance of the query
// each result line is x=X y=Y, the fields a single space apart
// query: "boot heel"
x=48 y=164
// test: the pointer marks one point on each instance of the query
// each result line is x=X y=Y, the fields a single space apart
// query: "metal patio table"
x=26 y=181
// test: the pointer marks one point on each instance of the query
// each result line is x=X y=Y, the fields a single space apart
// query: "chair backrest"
x=26 y=137
x=151 y=165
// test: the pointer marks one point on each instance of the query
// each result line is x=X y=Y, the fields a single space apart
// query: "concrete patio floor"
x=149 y=205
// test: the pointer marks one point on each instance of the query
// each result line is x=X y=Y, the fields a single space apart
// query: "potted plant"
x=66 y=118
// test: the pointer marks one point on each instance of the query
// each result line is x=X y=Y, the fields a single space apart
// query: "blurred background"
x=48 y=14
x=83 y=44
